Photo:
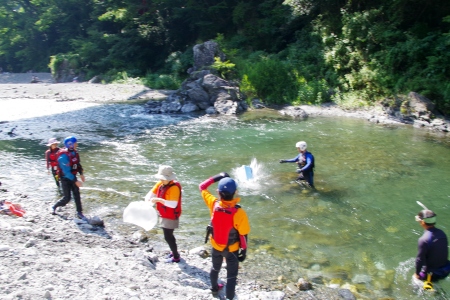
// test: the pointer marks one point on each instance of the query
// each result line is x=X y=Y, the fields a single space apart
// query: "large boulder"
x=211 y=82
x=205 y=53
x=420 y=106
x=171 y=107
x=203 y=90
x=67 y=72
x=294 y=112
x=413 y=109
x=189 y=107
x=226 y=107
x=197 y=94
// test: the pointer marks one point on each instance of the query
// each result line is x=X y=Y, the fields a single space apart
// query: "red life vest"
x=52 y=157
x=164 y=211
x=14 y=208
x=302 y=160
x=222 y=221
x=74 y=160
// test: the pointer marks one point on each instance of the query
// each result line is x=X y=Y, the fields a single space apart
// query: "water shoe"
x=173 y=260
x=81 y=216
x=216 y=292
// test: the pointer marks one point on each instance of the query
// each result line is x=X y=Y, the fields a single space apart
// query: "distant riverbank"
x=16 y=86
x=19 y=86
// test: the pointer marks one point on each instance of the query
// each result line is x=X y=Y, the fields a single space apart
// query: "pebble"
x=4 y=248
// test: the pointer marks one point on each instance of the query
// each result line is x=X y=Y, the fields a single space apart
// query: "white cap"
x=165 y=173
x=52 y=141
x=302 y=145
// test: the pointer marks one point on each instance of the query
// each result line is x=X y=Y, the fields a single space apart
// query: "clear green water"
x=357 y=228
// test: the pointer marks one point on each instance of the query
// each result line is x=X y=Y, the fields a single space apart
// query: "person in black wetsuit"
x=305 y=163
x=432 y=256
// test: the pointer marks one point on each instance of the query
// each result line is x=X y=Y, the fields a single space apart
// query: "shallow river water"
x=357 y=228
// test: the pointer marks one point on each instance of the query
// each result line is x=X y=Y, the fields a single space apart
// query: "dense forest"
x=283 y=51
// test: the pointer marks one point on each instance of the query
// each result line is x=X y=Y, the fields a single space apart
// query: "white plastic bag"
x=140 y=213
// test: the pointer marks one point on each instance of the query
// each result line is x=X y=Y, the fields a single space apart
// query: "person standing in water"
x=432 y=255
x=166 y=193
x=51 y=156
x=229 y=229
x=69 y=165
x=305 y=162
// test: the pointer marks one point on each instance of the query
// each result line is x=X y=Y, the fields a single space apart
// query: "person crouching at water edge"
x=69 y=164
x=432 y=256
x=229 y=229
x=166 y=193
x=305 y=162
x=51 y=156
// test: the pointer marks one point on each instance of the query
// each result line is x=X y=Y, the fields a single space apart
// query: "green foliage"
x=123 y=78
x=247 y=88
x=177 y=63
x=313 y=92
x=162 y=81
x=272 y=79
x=224 y=68
x=353 y=99
x=62 y=62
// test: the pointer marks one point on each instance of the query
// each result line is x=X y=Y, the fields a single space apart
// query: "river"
x=356 y=230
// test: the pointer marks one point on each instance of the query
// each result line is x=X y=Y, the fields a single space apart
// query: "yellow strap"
x=427 y=285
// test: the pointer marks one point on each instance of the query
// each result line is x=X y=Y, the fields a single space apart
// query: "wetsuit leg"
x=66 y=185
x=217 y=260
x=77 y=198
x=232 y=273
x=54 y=176
x=170 y=239
x=309 y=177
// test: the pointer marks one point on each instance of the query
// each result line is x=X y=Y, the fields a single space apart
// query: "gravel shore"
x=15 y=86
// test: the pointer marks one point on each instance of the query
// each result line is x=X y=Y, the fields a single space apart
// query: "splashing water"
x=250 y=177
x=404 y=279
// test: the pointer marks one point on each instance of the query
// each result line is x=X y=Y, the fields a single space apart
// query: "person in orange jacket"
x=229 y=229
x=166 y=194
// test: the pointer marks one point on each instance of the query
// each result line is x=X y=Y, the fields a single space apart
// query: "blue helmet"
x=227 y=185
x=70 y=141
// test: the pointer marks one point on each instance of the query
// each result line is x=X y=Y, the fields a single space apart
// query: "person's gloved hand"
x=282 y=161
x=422 y=276
x=220 y=176
x=299 y=170
x=242 y=255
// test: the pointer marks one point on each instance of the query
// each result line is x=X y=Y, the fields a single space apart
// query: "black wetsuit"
x=433 y=251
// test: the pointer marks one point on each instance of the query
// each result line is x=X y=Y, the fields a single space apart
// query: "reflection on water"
x=357 y=228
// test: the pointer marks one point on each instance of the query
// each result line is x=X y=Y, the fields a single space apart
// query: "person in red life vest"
x=50 y=157
x=69 y=165
x=166 y=193
x=229 y=229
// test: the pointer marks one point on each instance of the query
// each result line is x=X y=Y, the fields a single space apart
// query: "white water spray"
x=249 y=176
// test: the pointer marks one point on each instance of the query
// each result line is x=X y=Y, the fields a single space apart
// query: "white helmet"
x=302 y=145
